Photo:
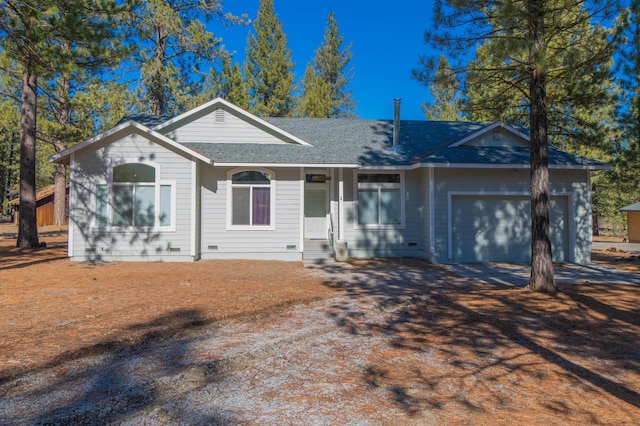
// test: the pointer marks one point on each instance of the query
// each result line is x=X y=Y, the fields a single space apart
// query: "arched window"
x=251 y=198
x=134 y=198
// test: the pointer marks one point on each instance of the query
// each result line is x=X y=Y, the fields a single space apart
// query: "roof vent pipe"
x=396 y=121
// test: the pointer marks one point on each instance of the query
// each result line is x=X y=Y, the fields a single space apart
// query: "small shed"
x=44 y=206
x=633 y=222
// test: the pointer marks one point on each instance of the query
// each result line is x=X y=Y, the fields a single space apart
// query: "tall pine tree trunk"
x=542 y=279
x=157 y=91
x=60 y=193
x=27 y=225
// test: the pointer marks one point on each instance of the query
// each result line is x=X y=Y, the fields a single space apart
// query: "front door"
x=315 y=213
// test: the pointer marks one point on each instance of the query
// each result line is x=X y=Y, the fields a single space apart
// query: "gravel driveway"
x=403 y=344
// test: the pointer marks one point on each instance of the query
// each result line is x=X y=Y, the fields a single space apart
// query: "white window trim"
x=402 y=224
x=157 y=184
x=272 y=201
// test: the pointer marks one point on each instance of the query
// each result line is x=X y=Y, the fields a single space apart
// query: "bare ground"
x=393 y=342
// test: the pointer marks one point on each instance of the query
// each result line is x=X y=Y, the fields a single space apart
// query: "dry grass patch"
x=53 y=309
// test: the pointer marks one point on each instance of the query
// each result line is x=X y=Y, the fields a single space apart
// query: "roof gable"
x=219 y=121
x=122 y=130
x=495 y=135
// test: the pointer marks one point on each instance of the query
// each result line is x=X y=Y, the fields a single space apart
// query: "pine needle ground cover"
x=243 y=342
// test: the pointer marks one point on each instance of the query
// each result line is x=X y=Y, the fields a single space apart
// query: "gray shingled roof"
x=369 y=143
x=146 y=119
x=504 y=155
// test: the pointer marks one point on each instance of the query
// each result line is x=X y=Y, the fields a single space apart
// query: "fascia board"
x=287 y=165
x=514 y=166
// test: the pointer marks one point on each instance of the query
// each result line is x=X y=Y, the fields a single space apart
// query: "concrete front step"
x=317 y=250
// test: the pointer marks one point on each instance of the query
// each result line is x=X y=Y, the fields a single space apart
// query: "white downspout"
x=341 y=204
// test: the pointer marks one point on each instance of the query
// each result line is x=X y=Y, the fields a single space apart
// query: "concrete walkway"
x=627 y=247
x=518 y=274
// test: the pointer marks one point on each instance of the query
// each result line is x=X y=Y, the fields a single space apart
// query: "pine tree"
x=524 y=38
x=173 y=49
x=316 y=96
x=581 y=105
x=231 y=84
x=268 y=67
x=9 y=133
x=445 y=90
x=625 y=180
x=331 y=64
x=34 y=35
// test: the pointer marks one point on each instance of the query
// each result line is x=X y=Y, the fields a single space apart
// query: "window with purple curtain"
x=261 y=206
x=251 y=198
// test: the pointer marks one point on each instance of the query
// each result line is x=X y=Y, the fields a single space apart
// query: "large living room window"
x=251 y=199
x=134 y=199
x=380 y=200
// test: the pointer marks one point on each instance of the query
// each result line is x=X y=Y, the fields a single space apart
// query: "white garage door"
x=488 y=228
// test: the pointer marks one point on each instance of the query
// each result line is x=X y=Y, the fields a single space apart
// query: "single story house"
x=633 y=222
x=45 y=209
x=218 y=182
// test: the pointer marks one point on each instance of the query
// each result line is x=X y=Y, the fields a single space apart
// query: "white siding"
x=91 y=167
x=426 y=211
x=220 y=242
x=389 y=242
x=513 y=181
x=232 y=129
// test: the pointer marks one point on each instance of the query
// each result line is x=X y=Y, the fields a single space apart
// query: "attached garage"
x=497 y=228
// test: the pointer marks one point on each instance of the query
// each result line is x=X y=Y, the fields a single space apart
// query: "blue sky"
x=386 y=42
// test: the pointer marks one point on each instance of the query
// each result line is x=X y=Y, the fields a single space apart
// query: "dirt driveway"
x=393 y=342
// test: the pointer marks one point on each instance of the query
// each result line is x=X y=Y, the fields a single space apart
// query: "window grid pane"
x=165 y=205
x=261 y=206
x=101 y=205
x=390 y=203
x=378 y=178
x=122 y=205
x=145 y=213
x=368 y=206
x=134 y=173
x=240 y=206
x=249 y=177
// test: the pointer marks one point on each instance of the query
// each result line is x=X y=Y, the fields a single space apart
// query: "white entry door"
x=315 y=213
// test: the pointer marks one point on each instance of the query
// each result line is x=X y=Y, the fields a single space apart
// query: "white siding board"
x=205 y=129
x=254 y=243
x=91 y=167
x=387 y=242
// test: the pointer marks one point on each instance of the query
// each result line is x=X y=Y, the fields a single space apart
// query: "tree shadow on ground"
x=112 y=381
x=21 y=258
x=487 y=347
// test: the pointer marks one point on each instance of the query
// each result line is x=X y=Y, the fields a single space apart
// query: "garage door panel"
x=498 y=228
x=559 y=229
x=486 y=228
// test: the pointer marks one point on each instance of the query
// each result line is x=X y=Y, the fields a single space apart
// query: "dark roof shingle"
x=370 y=143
